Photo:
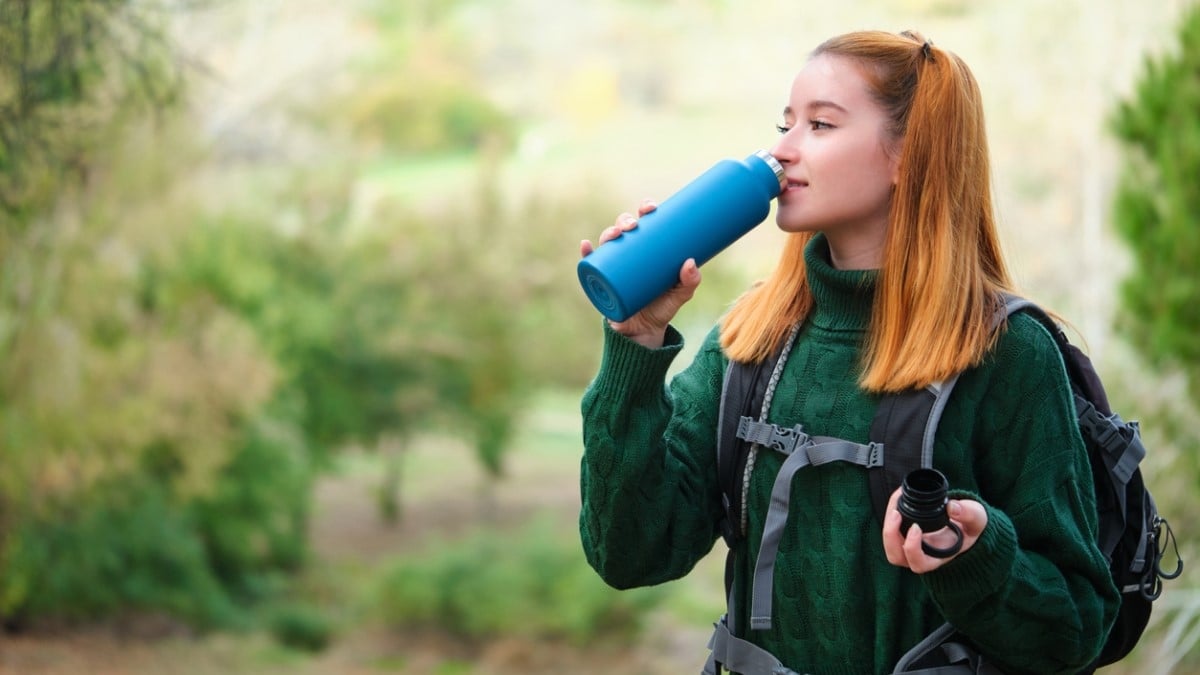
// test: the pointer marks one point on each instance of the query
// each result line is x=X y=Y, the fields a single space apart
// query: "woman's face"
x=838 y=154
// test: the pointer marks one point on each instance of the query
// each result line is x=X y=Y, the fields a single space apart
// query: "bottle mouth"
x=775 y=166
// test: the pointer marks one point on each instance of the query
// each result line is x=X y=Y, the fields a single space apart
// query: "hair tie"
x=926 y=44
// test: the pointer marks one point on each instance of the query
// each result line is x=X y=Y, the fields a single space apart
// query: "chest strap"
x=801 y=450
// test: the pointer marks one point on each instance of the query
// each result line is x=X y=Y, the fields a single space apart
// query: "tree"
x=69 y=69
x=1157 y=208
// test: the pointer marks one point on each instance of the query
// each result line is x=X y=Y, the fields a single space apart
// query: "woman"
x=892 y=271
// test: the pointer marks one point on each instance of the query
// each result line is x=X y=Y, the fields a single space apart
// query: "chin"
x=794 y=226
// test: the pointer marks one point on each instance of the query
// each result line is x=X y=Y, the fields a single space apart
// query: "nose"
x=785 y=149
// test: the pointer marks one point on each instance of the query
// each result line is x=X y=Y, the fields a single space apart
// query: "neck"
x=856 y=249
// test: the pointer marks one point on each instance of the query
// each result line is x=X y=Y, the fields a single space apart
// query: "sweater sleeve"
x=650 y=501
x=1034 y=592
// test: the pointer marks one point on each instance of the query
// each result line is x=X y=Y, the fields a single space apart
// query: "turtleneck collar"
x=843 y=298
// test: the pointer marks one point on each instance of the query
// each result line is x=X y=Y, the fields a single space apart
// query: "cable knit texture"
x=1033 y=593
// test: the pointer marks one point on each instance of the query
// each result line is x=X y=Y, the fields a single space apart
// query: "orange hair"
x=942 y=266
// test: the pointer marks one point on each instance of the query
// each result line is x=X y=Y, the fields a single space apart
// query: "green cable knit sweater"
x=1034 y=593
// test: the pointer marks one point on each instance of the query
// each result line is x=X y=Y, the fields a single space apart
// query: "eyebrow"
x=815 y=105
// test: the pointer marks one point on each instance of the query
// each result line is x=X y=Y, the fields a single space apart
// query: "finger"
x=611 y=233
x=689 y=280
x=626 y=222
x=646 y=206
x=585 y=248
x=689 y=274
x=917 y=560
x=893 y=543
x=970 y=515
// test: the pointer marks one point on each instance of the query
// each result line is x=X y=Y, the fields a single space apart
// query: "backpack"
x=1132 y=535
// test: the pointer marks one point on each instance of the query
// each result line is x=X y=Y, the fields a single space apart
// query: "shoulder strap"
x=742 y=394
x=900 y=424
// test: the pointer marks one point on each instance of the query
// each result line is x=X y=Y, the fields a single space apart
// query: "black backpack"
x=1132 y=534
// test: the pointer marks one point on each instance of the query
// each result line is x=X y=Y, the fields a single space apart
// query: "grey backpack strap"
x=740 y=656
x=941 y=654
x=809 y=451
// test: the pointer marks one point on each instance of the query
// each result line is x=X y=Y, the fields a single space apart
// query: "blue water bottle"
x=625 y=274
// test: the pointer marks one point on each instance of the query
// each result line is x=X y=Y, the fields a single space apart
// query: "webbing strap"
x=819 y=449
x=953 y=669
x=940 y=646
x=739 y=656
x=813 y=452
x=1123 y=451
x=771 y=436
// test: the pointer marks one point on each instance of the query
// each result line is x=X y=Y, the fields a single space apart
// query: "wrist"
x=653 y=338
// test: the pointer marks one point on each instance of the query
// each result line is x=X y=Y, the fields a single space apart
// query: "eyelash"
x=815 y=124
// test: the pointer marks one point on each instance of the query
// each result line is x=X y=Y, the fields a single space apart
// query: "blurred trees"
x=132 y=434
x=1156 y=209
x=69 y=70
x=191 y=332
x=1158 y=206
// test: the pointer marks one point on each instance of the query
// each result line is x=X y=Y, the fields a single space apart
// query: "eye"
x=782 y=129
x=818 y=125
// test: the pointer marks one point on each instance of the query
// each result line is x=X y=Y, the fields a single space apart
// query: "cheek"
x=870 y=163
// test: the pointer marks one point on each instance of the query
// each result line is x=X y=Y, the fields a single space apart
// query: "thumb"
x=689 y=276
x=970 y=514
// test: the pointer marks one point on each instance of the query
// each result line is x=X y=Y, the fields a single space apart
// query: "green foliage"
x=178 y=367
x=121 y=545
x=69 y=70
x=533 y=584
x=254 y=521
x=302 y=626
x=303 y=295
x=1158 y=204
x=143 y=469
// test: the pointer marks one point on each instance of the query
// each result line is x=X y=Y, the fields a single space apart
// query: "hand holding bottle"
x=648 y=327
x=687 y=230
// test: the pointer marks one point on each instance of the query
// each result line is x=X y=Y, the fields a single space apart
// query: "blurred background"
x=291 y=345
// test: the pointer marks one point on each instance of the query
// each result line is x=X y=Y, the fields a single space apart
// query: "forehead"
x=829 y=79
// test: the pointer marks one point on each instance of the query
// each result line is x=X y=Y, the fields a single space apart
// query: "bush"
x=123 y=546
x=302 y=626
x=132 y=542
x=254 y=522
x=533 y=584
